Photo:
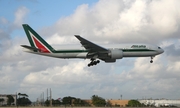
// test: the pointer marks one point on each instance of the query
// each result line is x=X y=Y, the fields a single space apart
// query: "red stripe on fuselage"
x=40 y=46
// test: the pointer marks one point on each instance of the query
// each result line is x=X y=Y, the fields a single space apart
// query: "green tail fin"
x=37 y=41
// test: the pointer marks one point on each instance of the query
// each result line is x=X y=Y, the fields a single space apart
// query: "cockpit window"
x=159 y=47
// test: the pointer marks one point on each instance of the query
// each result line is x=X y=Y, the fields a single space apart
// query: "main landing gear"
x=93 y=62
x=151 y=59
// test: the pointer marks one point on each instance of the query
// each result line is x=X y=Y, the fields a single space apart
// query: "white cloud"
x=174 y=68
x=20 y=14
x=60 y=40
x=166 y=21
x=118 y=21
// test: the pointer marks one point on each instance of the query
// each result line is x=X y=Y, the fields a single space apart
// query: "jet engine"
x=115 y=54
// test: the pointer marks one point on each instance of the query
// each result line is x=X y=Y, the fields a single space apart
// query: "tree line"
x=72 y=101
x=67 y=101
x=95 y=99
x=22 y=100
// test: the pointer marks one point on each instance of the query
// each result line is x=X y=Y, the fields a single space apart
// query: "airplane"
x=89 y=50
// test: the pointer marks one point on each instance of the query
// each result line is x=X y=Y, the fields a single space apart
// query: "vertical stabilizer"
x=37 y=41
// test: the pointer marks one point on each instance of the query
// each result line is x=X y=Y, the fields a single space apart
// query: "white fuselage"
x=129 y=50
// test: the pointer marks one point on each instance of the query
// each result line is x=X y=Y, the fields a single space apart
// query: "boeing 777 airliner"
x=89 y=50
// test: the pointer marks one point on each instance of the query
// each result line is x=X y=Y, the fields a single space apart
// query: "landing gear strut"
x=93 y=62
x=151 y=59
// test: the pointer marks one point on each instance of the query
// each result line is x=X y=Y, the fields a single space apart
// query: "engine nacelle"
x=115 y=54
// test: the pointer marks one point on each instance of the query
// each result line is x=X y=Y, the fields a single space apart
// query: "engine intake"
x=115 y=54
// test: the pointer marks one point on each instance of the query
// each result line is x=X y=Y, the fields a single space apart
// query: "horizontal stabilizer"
x=30 y=48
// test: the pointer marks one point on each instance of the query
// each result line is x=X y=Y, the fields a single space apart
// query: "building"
x=4 y=96
x=160 y=102
x=120 y=103
x=112 y=102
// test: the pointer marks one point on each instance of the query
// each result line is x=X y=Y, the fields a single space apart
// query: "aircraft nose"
x=161 y=51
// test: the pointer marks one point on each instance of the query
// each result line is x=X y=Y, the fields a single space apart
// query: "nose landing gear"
x=151 y=59
x=93 y=62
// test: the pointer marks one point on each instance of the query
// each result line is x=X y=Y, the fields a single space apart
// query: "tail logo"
x=38 y=44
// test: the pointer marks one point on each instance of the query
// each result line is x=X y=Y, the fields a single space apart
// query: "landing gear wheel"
x=98 y=61
x=151 y=61
x=93 y=62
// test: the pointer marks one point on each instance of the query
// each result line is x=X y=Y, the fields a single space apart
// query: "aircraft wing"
x=92 y=47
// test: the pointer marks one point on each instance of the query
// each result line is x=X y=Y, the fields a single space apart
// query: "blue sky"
x=101 y=21
x=45 y=12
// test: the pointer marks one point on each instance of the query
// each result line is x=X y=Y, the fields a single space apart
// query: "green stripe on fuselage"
x=136 y=50
x=80 y=51
x=69 y=51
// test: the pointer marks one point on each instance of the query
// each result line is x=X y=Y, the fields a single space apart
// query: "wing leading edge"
x=92 y=47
